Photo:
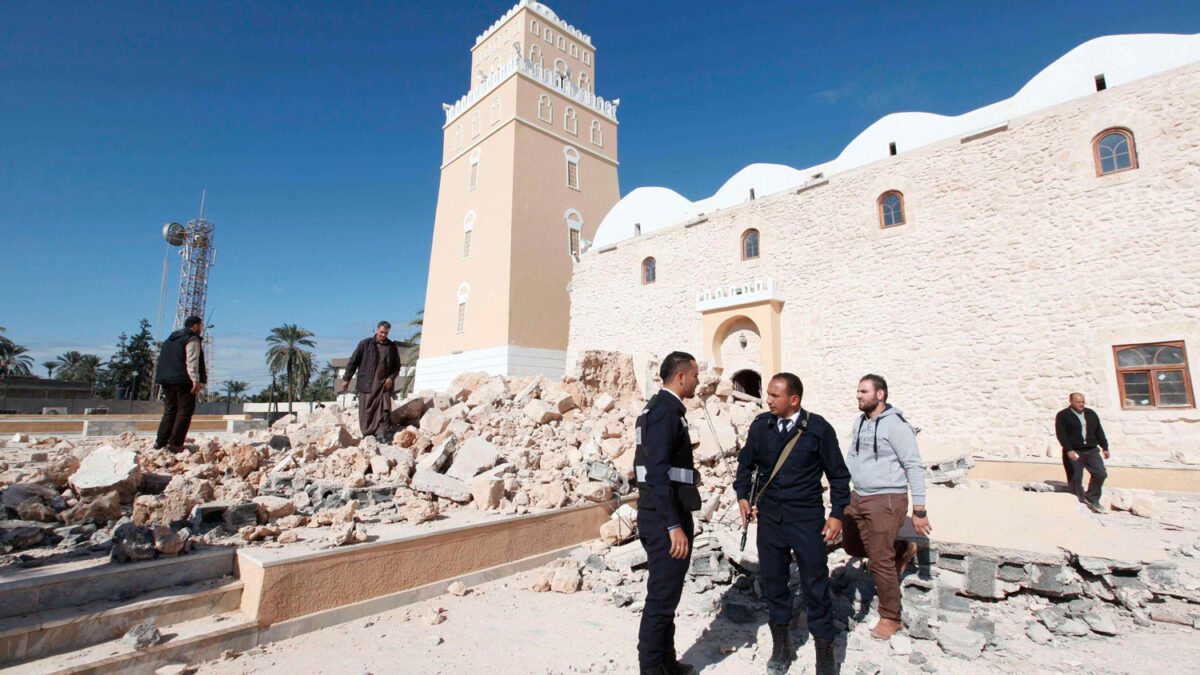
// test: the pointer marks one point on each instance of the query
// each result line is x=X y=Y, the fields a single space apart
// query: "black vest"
x=172 y=360
x=684 y=476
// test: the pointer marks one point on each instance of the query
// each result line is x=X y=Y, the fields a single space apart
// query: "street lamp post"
x=133 y=392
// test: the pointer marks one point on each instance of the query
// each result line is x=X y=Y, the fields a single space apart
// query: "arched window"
x=891 y=209
x=574 y=50
x=495 y=63
x=535 y=27
x=545 y=109
x=570 y=121
x=548 y=35
x=468 y=229
x=458 y=136
x=460 y=323
x=749 y=244
x=584 y=83
x=572 y=156
x=562 y=43
x=1114 y=151
x=1154 y=376
x=535 y=55
x=495 y=109
x=587 y=58
x=561 y=73
x=597 y=133
x=574 y=232
x=648 y=272
x=475 y=122
x=473 y=171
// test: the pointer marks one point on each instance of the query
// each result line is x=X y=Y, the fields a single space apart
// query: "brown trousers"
x=869 y=529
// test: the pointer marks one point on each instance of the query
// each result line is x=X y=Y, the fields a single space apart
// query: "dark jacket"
x=1066 y=427
x=796 y=493
x=172 y=359
x=663 y=456
x=364 y=362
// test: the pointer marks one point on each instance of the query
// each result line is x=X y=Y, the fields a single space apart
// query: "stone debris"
x=457 y=588
x=142 y=636
x=106 y=469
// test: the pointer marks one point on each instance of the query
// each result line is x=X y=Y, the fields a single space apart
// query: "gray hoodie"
x=883 y=456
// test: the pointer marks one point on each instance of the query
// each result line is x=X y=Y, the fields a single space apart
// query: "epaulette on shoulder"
x=763 y=416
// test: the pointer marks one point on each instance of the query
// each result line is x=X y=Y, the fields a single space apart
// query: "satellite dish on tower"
x=174 y=234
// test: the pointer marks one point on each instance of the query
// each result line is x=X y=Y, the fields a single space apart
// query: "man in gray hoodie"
x=884 y=466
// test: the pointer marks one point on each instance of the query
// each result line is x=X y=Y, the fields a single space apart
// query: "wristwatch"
x=920 y=513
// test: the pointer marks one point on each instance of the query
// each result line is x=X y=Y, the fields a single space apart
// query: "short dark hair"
x=384 y=324
x=192 y=321
x=878 y=381
x=793 y=384
x=672 y=364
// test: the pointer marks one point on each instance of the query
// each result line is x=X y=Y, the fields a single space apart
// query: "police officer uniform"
x=666 y=480
x=791 y=515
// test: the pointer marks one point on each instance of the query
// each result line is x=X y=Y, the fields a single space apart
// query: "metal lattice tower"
x=198 y=256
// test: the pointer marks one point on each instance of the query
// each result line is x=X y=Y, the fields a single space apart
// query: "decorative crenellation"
x=546 y=76
x=546 y=15
x=755 y=290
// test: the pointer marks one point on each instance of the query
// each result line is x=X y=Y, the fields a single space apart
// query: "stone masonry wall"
x=1016 y=274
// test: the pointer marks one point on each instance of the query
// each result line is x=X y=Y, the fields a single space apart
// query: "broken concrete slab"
x=105 y=469
x=441 y=485
x=474 y=457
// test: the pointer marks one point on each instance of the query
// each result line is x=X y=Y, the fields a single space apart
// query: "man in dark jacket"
x=791 y=514
x=182 y=374
x=377 y=362
x=667 y=495
x=1082 y=440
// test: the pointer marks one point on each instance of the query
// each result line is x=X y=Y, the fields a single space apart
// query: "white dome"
x=1120 y=58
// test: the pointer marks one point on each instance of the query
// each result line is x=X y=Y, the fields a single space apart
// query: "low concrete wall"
x=76 y=406
x=108 y=427
x=1183 y=479
x=278 y=589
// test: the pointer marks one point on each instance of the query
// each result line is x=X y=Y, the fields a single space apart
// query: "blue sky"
x=316 y=129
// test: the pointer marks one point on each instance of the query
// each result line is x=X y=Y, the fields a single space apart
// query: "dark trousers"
x=1093 y=461
x=869 y=529
x=1069 y=471
x=777 y=540
x=178 y=405
x=664 y=585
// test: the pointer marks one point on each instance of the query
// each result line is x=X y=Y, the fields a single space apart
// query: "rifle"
x=753 y=503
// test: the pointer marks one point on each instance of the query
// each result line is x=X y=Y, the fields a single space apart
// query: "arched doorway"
x=748 y=382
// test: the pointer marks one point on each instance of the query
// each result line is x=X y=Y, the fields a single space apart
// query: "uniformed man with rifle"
x=667 y=495
x=790 y=449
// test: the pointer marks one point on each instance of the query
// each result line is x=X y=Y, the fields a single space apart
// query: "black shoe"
x=1094 y=506
x=781 y=654
x=826 y=661
x=678 y=668
x=655 y=670
x=159 y=446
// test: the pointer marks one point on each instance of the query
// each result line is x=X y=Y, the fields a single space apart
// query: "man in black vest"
x=791 y=514
x=1082 y=440
x=182 y=374
x=666 y=480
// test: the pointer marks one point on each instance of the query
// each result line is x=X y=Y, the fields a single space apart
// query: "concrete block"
x=95 y=428
x=243 y=426
x=953 y=563
x=981 y=579
x=1055 y=580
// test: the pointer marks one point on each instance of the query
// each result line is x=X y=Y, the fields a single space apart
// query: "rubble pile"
x=508 y=446
x=960 y=601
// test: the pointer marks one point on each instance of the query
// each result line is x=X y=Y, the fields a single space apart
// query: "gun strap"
x=787 y=450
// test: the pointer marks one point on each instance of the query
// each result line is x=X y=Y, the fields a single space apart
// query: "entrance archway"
x=748 y=382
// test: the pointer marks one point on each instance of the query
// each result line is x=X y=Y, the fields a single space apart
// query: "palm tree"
x=409 y=358
x=49 y=366
x=15 y=359
x=88 y=368
x=286 y=355
x=234 y=388
x=68 y=364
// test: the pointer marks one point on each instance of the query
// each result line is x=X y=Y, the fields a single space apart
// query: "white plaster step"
x=191 y=641
x=55 y=631
x=79 y=582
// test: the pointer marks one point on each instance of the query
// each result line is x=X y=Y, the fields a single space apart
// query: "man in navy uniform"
x=791 y=514
x=666 y=480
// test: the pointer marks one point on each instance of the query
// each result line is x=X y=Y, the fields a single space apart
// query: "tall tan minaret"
x=529 y=169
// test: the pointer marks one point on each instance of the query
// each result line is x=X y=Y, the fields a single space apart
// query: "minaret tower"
x=529 y=169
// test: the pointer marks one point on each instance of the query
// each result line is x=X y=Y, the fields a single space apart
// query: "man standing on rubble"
x=885 y=466
x=182 y=374
x=667 y=495
x=377 y=362
x=790 y=449
x=1082 y=440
